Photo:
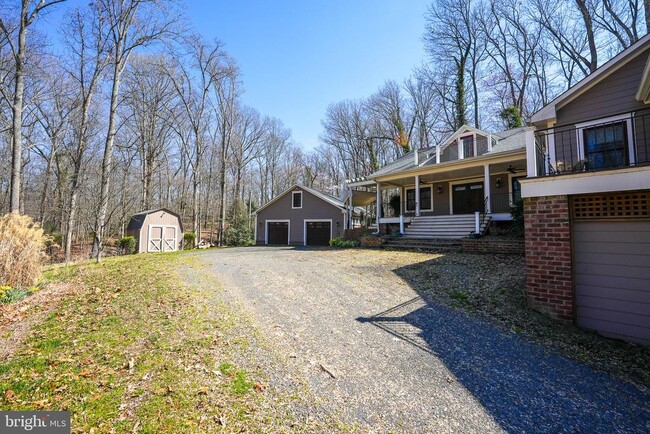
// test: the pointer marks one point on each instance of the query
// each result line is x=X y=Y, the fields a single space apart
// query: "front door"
x=468 y=198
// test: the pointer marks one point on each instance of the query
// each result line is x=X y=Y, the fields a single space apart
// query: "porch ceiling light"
x=498 y=183
x=439 y=189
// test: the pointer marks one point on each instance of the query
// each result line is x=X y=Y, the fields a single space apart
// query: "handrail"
x=483 y=215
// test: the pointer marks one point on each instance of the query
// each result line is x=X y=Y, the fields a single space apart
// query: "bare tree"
x=17 y=40
x=131 y=24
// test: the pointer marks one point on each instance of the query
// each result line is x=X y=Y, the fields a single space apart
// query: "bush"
x=127 y=245
x=189 y=238
x=371 y=241
x=22 y=250
x=395 y=205
x=343 y=244
x=238 y=236
x=517 y=213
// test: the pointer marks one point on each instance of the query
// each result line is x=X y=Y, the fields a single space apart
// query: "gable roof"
x=325 y=197
x=548 y=112
x=138 y=219
x=508 y=140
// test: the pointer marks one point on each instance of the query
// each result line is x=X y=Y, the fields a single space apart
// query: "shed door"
x=278 y=233
x=318 y=233
x=169 y=242
x=612 y=274
x=155 y=239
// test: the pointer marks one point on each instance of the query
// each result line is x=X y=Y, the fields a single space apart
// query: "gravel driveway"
x=382 y=359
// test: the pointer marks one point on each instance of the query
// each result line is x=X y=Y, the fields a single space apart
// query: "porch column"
x=531 y=154
x=437 y=154
x=378 y=205
x=417 y=195
x=488 y=188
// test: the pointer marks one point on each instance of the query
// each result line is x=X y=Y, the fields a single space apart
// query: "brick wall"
x=549 y=281
x=493 y=245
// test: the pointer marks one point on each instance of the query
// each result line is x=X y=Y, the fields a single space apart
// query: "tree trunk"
x=589 y=28
x=106 y=165
x=46 y=183
x=17 y=113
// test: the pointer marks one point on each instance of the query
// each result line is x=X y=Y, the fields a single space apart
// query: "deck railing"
x=620 y=141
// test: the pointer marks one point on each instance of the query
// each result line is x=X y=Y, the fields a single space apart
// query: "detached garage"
x=300 y=216
x=157 y=230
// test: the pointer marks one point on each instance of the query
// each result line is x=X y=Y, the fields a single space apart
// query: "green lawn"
x=133 y=348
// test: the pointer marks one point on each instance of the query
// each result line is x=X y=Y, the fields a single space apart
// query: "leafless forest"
x=125 y=107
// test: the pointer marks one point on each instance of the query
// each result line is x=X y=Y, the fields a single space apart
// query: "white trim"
x=627 y=179
x=255 y=230
x=304 y=229
x=293 y=193
x=451 y=190
x=406 y=189
x=266 y=229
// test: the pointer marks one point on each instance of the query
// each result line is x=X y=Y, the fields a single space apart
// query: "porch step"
x=442 y=227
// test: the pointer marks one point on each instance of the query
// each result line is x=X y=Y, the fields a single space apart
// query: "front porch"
x=448 y=203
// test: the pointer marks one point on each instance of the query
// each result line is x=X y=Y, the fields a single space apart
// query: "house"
x=300 y=216
x=156 y=230
x=449 y=190
x=587 y=201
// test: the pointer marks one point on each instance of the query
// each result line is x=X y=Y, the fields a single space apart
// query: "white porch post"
x=378 y=205
x=531 y=154
x=489 y=143
x=438 y=154
x=401 y=224
x=488 y=188
x=477 y=222
x=417 y=195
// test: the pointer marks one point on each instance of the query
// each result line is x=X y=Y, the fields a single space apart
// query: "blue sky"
x=298 y=56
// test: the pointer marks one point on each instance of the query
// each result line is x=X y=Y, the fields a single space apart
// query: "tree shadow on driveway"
x=524 y=386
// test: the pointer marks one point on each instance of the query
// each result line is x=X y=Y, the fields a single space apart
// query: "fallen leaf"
x=260 y=387
x=10 y=395
x=203 y=390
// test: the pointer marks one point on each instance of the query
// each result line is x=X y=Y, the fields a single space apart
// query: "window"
x=606 y=145
x=425 y=199
x=296 y=199
x=468 y=146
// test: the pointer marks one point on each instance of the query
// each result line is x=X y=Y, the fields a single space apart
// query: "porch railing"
x=621 y=141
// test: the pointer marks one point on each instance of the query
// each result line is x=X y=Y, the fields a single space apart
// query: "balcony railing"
x=619 y=141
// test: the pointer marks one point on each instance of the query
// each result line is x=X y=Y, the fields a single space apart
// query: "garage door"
x=612 y=267
x=278 y=233
x=318 y=233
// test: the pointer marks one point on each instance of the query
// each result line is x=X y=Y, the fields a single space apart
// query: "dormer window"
x=296 y=199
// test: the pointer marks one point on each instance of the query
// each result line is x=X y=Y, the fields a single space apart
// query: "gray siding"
x=313 y=207
x=613 y=95
x=612 y=278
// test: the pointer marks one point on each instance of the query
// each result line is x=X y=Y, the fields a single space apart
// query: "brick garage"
x=549 y=282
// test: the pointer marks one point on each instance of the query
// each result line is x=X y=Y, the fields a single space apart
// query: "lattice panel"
x=612 y=206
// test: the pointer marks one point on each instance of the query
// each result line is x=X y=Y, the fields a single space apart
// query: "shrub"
x=127 y=245
x=394 y=204
x=371 y=241
x=22 y=250
x=189 y=238
x=343 y=244
x=517 y=213
x=238 y=236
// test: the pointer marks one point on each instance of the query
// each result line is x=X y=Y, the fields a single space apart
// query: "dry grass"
x=22 y=250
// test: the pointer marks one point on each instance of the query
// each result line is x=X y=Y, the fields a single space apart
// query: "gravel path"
x=383 y=359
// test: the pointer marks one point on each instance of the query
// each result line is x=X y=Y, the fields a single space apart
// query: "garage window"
x=296 y=200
